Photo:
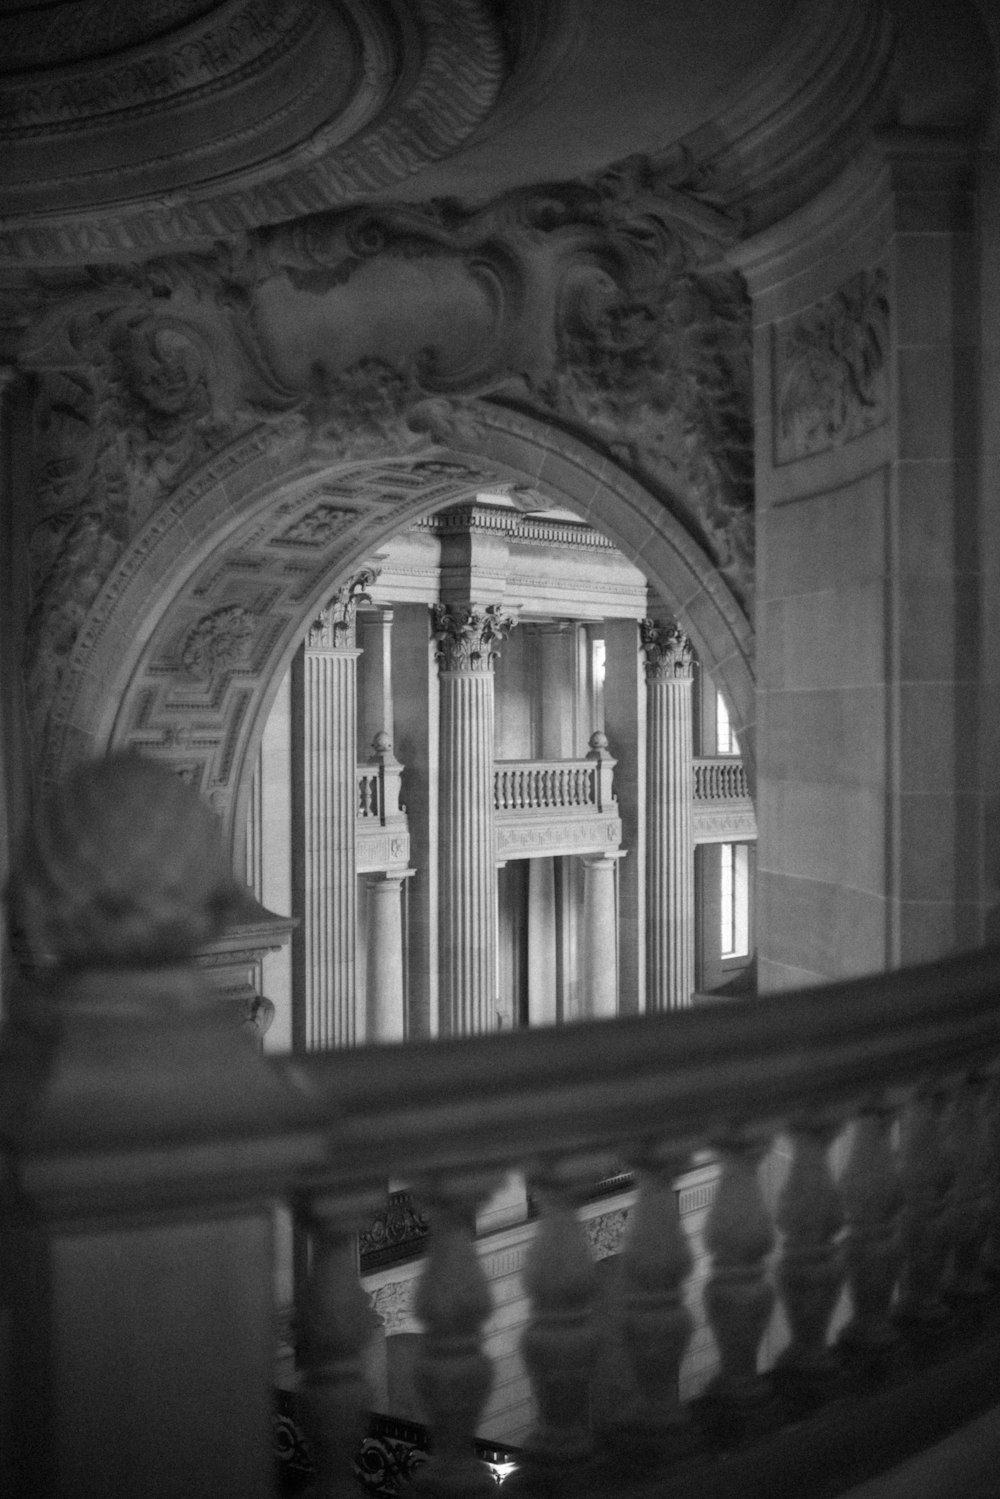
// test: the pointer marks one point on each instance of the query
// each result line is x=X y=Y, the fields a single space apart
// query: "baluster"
x=810 y=1270
x=872 y=1197
x=560 y=1341
x=991 y=1108
x=336 y=1323
x=928 y=1174
x=738 y=1296
x=656 y=1261
x=452 y=1373
x=970 y=1199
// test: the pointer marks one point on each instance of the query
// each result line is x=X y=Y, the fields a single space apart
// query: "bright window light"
x=734 y=924
x=598 y=659
x=725 y=740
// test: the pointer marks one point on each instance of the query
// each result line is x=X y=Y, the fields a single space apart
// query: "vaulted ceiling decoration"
x=130 y=127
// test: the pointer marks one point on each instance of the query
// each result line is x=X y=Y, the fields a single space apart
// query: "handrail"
x=495 y=1098
x=160 y=1139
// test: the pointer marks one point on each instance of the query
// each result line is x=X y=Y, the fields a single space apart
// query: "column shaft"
x=670 y=849
x=468 y=867
x=386 y=970
x=600 y=937
x=467 y=639
x=325 y=871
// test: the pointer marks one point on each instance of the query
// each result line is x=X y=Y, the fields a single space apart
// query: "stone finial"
x=467 y=636
x=334 y=629
x=123 y=866
x=669 y=653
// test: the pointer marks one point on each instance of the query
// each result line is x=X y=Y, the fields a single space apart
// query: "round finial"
x=382 y=743
x=122 y=866
x=598 y=741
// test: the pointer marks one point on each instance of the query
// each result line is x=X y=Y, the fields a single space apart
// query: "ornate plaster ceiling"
x=127 y=128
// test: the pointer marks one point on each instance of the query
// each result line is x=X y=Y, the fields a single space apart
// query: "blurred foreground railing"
x=146 y=1144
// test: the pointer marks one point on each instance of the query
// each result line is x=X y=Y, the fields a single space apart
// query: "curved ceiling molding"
x=185 y=120
x=791 y=130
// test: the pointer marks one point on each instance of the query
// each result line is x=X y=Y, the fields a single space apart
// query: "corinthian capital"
x=334 y=627
x=467 y=637
x=668 y=650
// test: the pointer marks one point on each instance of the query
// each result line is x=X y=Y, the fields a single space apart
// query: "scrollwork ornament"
x=668 y=651
x=467 y=637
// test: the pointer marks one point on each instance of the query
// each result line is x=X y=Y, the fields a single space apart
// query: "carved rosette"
x=219 y=641
x=335 y=629
x=467 y=636
x=667 y=649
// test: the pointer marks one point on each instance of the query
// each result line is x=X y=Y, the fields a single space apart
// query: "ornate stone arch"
x=185 y=645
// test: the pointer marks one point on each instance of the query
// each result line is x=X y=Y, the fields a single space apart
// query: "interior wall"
x=869 y=645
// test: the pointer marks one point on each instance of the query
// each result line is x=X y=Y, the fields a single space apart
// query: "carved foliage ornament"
x=668 y=651
x=219 y=641
x=467 y=637
x=830 y=370
x=335 y=627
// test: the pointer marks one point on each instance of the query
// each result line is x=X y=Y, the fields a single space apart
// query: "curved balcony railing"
x=145 y=1142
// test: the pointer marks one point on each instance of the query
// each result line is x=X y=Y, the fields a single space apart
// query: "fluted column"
x=669 y=849
x=467 y=639
x=385 y=986
x=326 y=763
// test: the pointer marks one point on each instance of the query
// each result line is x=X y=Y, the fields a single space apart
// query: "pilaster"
x=324 y=686
x=670 y=848
x=467 y=640
x=625 y=725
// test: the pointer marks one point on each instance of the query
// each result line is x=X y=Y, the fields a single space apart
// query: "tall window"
x=734 y=924
x=725 y=739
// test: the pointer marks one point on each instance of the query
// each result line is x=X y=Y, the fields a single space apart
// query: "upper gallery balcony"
x=551 y=806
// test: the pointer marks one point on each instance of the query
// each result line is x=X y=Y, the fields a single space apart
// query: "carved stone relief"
x=468 y=637
x=667 y=649
x=159 y=383
x=219 y=641
x=830 y=371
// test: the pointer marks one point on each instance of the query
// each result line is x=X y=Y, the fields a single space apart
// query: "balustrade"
x=147 y=1140
x=546 y=786
x=720 y=779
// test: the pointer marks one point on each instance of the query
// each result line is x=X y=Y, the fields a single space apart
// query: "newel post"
x=149 y=1141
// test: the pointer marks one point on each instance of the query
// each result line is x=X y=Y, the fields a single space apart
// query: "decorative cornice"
x=516 y=526
x=335 y=629
x=668 y=651
x=467 y=636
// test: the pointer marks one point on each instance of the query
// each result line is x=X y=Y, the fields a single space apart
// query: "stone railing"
x=556 y=806
x=722 y=810
x=381 y=835
x=721 y=778
x=857 y=1131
